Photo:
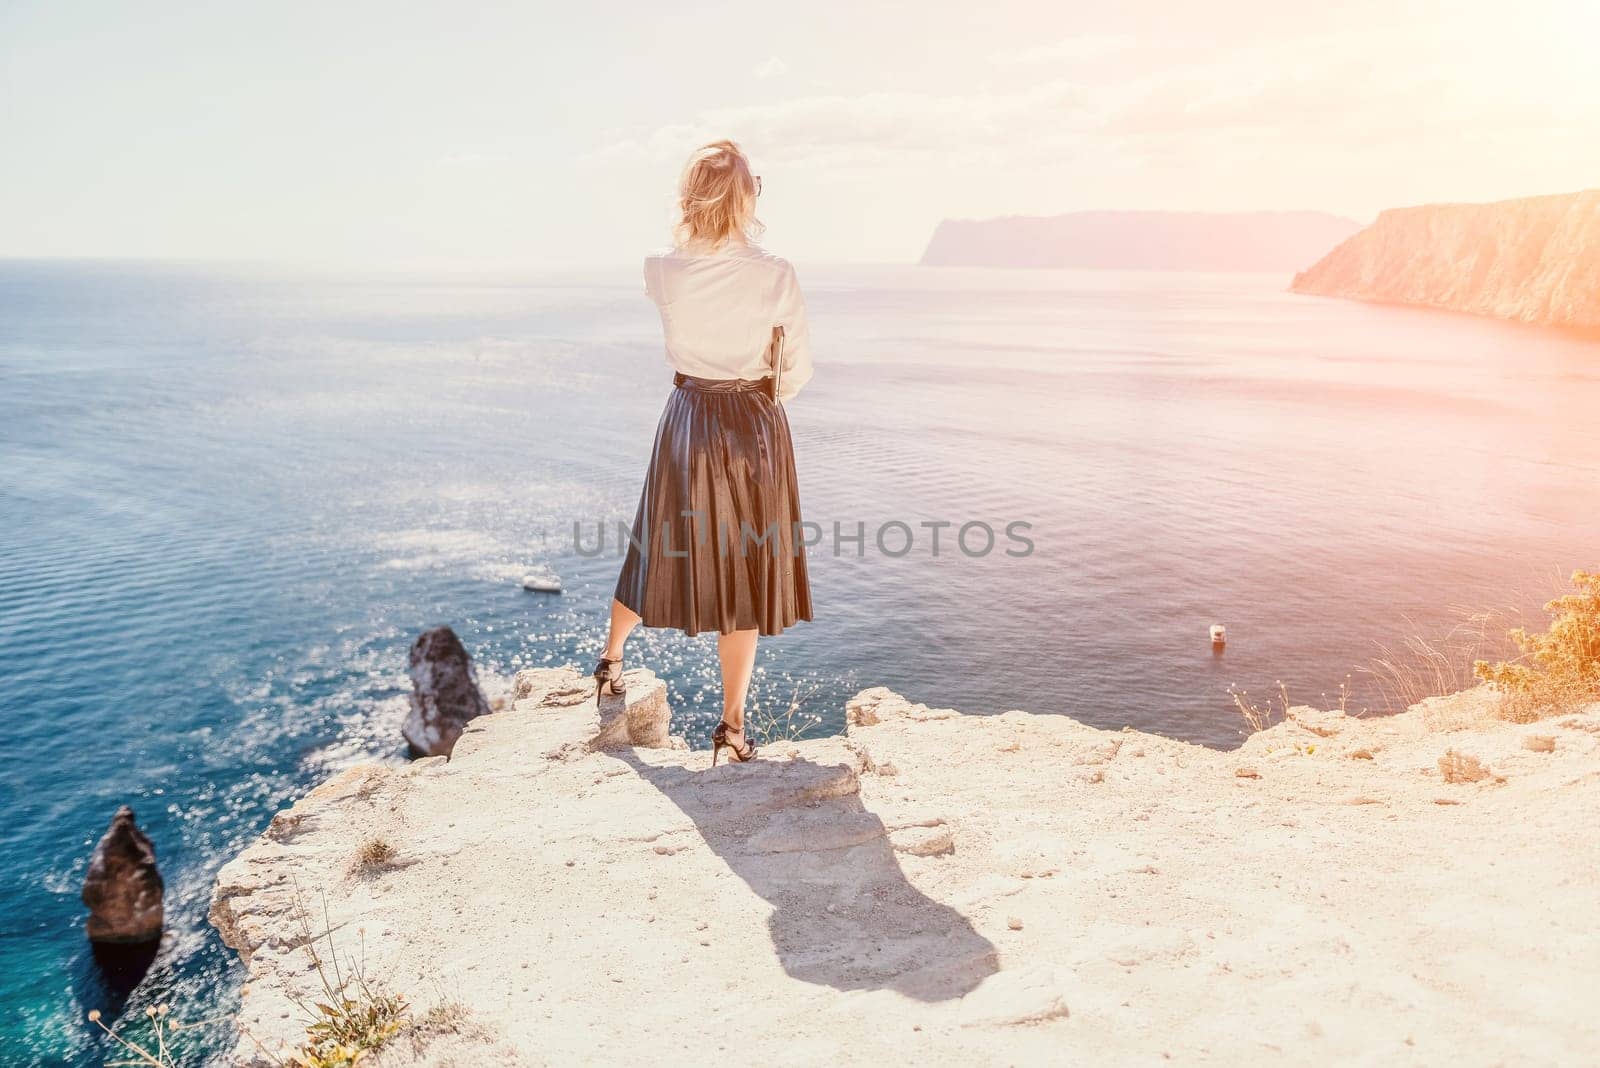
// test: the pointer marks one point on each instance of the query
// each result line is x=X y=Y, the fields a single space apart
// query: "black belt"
x=723 y=385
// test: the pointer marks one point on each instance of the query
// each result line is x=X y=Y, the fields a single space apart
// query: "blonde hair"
x=716 y=198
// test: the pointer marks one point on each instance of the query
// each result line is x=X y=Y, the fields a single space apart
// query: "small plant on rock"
x=353 y=1016
x=374 y=855
x=769 y=728
x=1559 y=669
x=1457 y=767
x=1259 y=716
x=1434 y=665
x=137 y=1055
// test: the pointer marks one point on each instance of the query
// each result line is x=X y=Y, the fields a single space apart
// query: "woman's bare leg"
x=623 y=620
x=737 y=651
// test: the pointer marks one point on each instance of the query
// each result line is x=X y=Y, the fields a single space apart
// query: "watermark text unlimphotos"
x=895 y=538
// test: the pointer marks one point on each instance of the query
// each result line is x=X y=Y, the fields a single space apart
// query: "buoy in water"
x=541 y=584
x=1219 y=634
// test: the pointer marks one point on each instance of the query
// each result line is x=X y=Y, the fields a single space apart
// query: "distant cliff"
x=1140 y=240
x=1536 y=259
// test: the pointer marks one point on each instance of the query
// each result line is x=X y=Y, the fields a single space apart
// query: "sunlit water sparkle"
x=232 y=497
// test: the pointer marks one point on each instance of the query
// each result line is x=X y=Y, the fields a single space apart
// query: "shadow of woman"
x=843 y=912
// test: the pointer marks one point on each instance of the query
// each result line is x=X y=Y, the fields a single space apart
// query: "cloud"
x=877 y=126
x=1332 y=96
x=1083 y=46
x=472 y=157
x=771 y=67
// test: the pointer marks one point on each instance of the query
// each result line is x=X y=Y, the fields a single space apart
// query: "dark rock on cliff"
x=444 y=693
x=123 y=888
x=1536 y=259
x=1141 y=240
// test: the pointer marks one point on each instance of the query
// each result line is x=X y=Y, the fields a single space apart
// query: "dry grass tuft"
x=1558 y=670
x=764 y=727
x=1422 y=668
x=161 y=1050
x=354 y=1016
x=1553 y=672
x=1460 y=768
x=1258 y=717
x=352 y=1019
x=370 y=785
x=374 y=855
x=445 y=1017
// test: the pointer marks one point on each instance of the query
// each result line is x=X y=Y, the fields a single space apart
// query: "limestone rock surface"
x=940 y=889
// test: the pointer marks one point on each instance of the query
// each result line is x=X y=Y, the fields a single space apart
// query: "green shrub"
x=1559 y=669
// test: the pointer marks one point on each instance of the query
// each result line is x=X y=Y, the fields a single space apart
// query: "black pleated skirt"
x=717 y=543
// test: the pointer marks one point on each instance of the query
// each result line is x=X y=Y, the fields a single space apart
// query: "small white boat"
x=541 y=583
x=1219 y=634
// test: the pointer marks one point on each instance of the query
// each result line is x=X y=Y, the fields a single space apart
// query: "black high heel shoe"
x=719 y=738
x=608 y=678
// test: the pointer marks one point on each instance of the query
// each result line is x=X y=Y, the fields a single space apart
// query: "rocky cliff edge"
x=1536 y=260
x=575 y=885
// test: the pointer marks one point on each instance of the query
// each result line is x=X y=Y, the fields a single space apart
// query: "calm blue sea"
x=232 y=496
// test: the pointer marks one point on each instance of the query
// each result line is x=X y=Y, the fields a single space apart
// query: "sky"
x=552 y=134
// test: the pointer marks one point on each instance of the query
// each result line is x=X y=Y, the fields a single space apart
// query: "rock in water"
x=123 y=887
x=444 y=693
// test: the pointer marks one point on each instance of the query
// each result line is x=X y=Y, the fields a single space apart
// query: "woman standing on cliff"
x=716 y=542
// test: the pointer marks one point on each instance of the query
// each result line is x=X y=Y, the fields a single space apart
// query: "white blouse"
x=718 y=311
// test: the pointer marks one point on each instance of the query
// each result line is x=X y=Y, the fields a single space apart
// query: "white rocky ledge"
x=936 y=888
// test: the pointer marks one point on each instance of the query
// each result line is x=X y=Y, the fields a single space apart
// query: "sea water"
x=232 y=496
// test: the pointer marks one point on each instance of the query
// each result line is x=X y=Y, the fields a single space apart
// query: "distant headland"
x=1141 y=240
x=1533 y=259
